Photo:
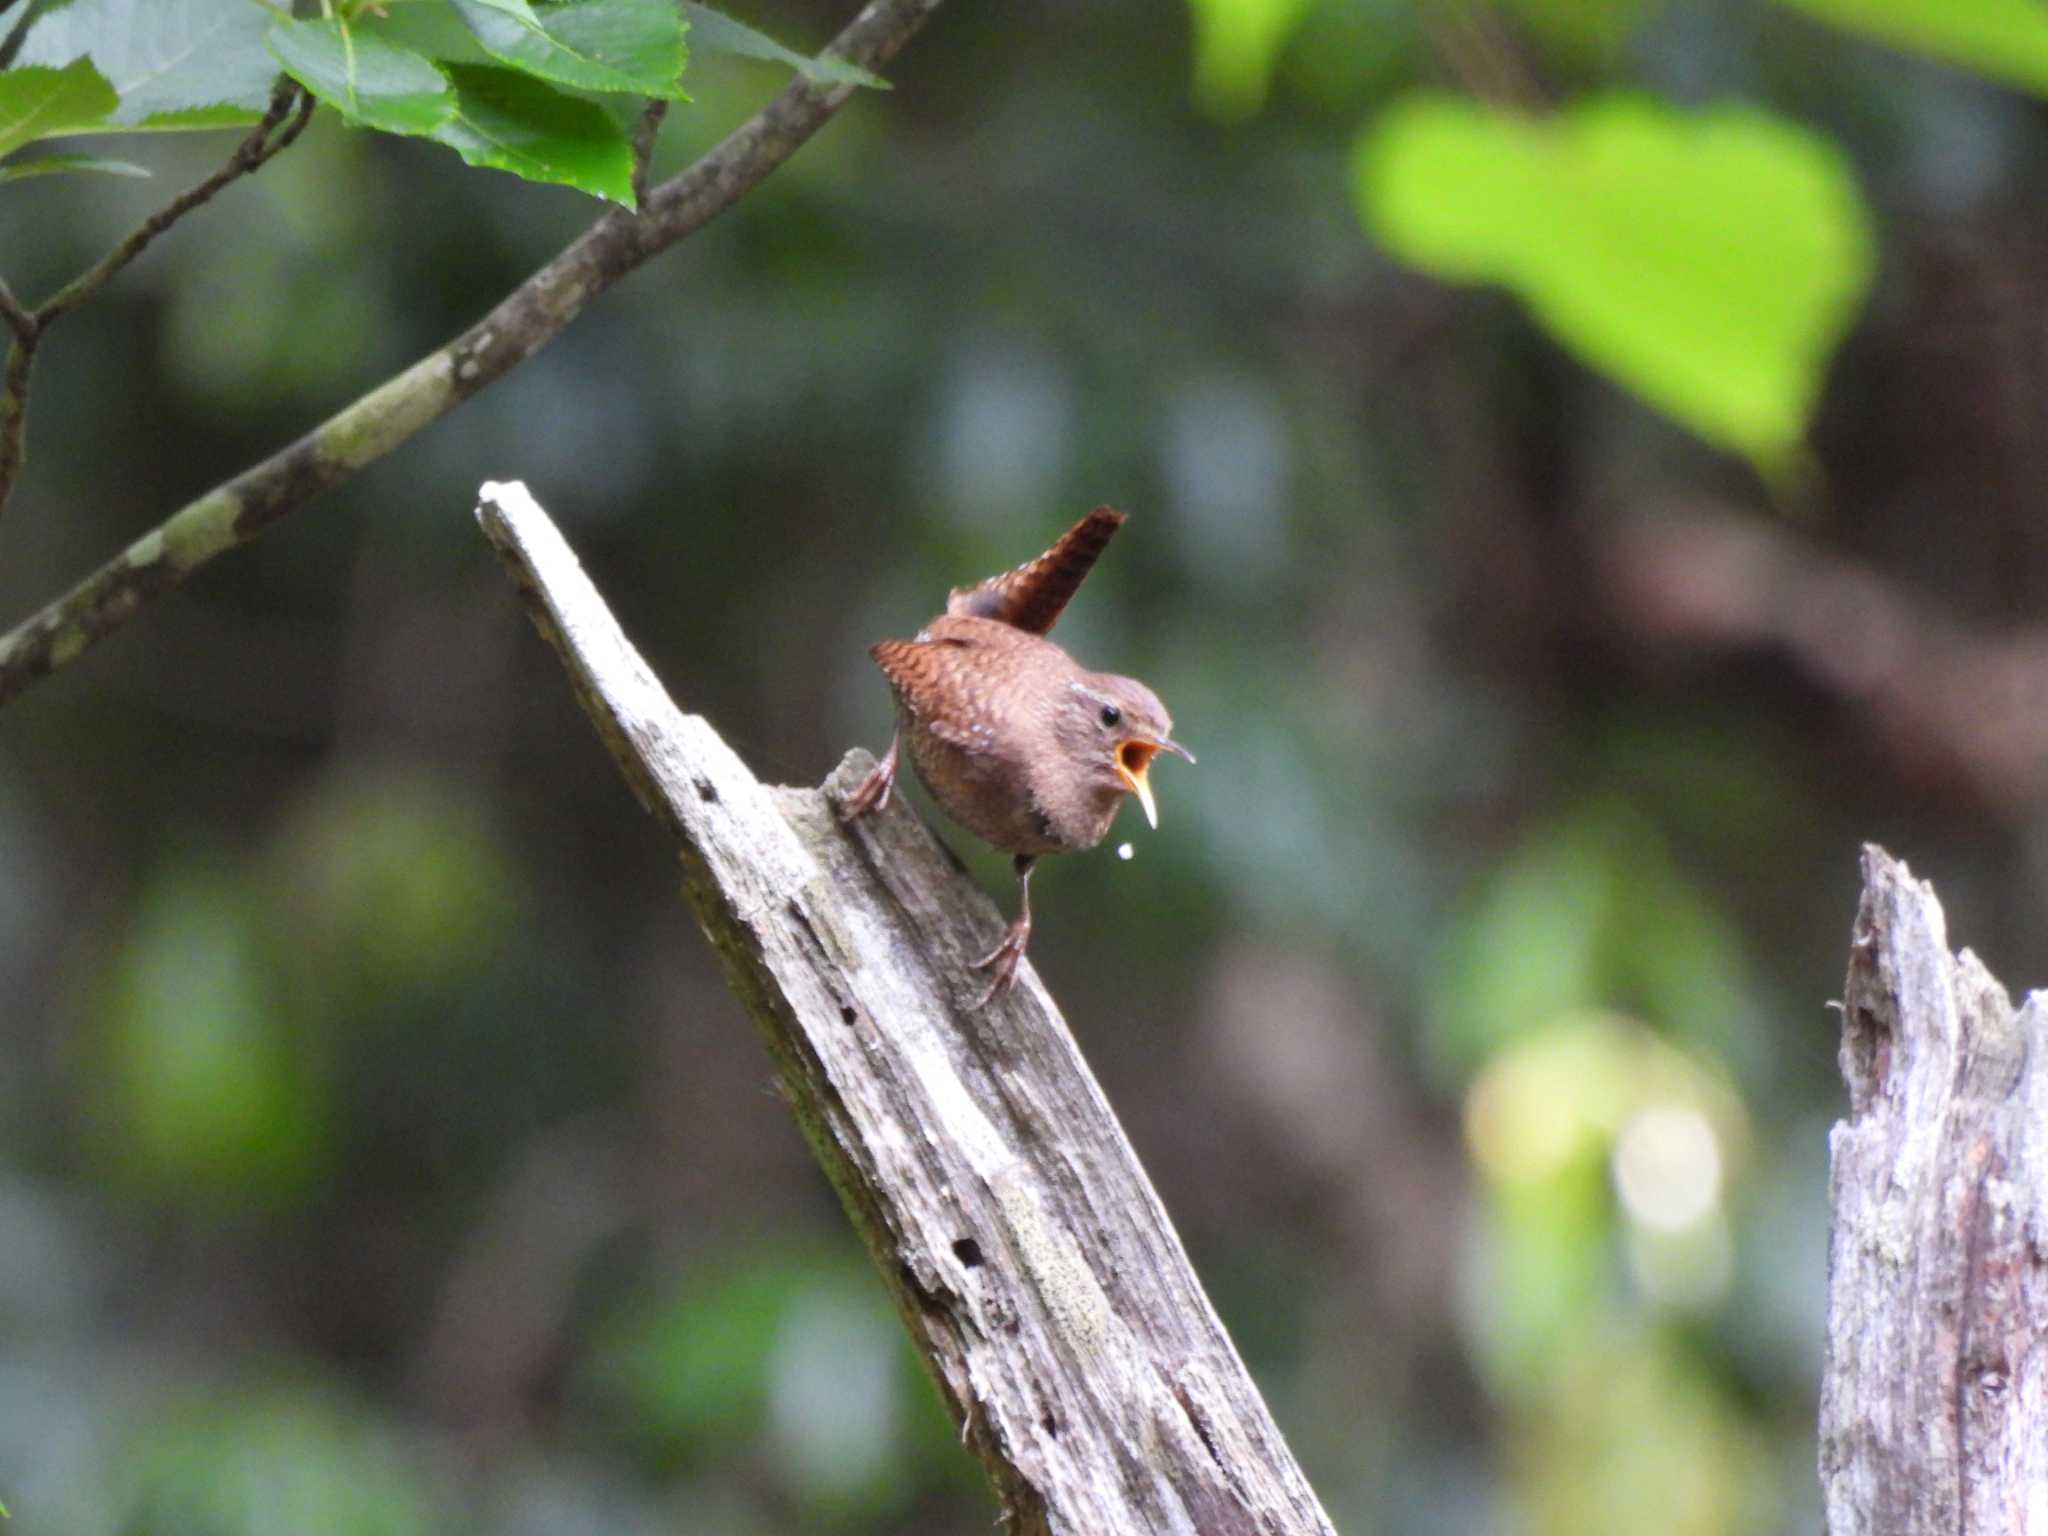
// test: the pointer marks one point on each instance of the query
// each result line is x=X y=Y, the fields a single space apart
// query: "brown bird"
x=1021 y=744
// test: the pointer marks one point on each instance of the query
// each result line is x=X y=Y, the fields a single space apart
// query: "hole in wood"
x=968 y=1252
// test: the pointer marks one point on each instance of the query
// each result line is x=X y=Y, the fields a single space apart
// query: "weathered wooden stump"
x=1934 y=1406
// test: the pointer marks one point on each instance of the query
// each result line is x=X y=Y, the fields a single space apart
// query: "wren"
x=1015 y=739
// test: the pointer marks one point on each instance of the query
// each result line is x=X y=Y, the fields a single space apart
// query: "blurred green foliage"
x=397 y=882
x=1693 y=1458
x=2004 y=39
x=1555 y=1124
x=1593 y=914
x=209 y=1095
x=1237 y=43
x=264 y=1458
x=796 y=1357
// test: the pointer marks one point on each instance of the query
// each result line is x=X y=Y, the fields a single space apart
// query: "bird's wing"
x=1032 y=596
x=927 y=678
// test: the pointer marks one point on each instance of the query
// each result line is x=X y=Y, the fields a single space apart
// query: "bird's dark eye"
x=1111 y=715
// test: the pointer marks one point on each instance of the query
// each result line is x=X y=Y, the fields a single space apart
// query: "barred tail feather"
x=1033 y=596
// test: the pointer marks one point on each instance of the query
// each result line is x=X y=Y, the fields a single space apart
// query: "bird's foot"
x=1004 y=959
x=874 y=791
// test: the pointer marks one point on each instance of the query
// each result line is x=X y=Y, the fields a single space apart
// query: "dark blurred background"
x=379 y=1148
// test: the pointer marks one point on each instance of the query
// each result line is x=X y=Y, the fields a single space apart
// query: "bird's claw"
x=872 y=795
x=1005 y=958
x=874 y=790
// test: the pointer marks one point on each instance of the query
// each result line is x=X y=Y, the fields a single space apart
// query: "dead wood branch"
x=1934 y=1405
x=1023 y=1245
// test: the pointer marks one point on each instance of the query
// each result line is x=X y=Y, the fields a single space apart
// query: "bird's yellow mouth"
x=1134 y=766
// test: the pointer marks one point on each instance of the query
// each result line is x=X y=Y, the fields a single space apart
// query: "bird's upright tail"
x=1033 y=596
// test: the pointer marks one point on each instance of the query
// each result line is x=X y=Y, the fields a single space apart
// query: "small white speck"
x=1124 y=850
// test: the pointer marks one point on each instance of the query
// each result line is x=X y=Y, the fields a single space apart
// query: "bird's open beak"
x=1134 y=764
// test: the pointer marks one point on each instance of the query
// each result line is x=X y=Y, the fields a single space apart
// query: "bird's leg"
x=873 y=794
x=1006 y=955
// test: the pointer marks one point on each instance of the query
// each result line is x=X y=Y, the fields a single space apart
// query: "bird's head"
x=1117 y=725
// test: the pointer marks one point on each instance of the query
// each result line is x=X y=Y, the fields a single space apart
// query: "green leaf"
x=41 y=103
x=174 y=63
x=431 y=30
x=2005 y=39
x=1237 y=43
x=372 y=82
x=715 y=32
x=512 y=122
x=1709 y=263
x=54 y=165
x=595 y=45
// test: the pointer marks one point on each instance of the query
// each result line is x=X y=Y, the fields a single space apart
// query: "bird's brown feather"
x=919 y=672
x=1033 y=596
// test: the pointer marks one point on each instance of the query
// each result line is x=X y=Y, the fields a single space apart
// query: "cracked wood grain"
x=1028 y=1256
x=1934 y=1402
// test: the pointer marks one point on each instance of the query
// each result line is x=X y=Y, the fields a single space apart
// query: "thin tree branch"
x=1027 y=1254
x=30 y=328
x=523 y=322
x=644 y=136
x=18 y=35
x=21 y=357
x=18 y=319
x=250 y=156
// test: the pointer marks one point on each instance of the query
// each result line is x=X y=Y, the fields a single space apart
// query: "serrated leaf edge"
x=626 y=86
